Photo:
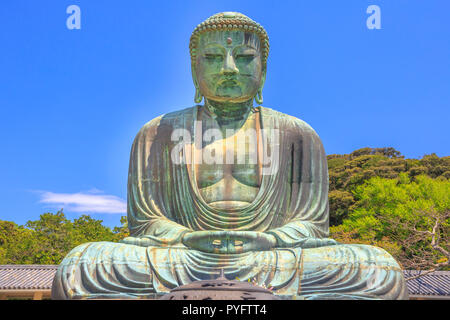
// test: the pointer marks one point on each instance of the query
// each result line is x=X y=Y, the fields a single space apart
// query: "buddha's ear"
x=259 y=95
x=263 y=78
x=198 y=96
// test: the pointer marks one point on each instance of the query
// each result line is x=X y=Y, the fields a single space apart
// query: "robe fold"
x=164 y=201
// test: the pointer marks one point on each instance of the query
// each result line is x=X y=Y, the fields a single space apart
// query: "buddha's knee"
x=370 y=255
x=99 y=267
x=105 y=253
x=358 y=271
x=355 y=255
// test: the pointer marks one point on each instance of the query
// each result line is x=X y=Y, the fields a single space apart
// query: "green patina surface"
x=190 y=220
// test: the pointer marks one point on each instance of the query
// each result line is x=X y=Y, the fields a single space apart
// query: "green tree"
x=17 y=244
x=122 y=231
x=340 y=203
x=49 y=239
x=408 y=217
x=89 y=229
x=349 y=171
x=55 y=236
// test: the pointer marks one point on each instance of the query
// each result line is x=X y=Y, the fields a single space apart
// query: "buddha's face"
x=229 y=66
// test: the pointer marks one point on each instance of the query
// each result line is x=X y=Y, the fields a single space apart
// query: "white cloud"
x=92 y=201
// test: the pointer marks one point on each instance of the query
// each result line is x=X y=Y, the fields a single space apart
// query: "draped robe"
x=292 y=204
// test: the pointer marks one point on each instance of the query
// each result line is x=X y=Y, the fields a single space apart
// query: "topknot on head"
x=230 y=21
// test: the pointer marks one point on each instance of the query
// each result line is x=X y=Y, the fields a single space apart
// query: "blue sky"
x=73 y=100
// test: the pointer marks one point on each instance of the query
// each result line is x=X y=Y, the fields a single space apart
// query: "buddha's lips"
x=228 y=83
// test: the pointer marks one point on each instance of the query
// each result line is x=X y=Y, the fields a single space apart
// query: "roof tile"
x=27 y=276
x=433 y=284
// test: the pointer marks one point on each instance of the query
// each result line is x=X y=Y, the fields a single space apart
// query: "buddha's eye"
x=213 y=57
x=245 y=57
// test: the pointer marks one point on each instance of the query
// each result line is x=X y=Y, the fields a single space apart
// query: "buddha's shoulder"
x=171 y=119
x=288 y=121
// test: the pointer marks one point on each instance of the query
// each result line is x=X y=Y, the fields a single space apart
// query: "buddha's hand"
x=229 y=242
x=308 y=243
x=140 y=241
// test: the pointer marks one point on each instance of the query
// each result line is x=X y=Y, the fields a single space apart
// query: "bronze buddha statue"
x=225 y=185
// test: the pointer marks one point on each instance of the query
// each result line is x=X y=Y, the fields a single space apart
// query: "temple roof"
x=27 y=277
x=436 y=283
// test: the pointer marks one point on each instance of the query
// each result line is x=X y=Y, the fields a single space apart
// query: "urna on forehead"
x=220 y=23
x=229 y=38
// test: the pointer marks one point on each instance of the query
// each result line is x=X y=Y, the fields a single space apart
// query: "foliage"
x=400 y=215
x=348 y=171
x=340 y=203
x=122 y=231
x=49 y=239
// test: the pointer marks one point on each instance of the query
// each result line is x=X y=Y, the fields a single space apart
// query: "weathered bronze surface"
x=227 y=185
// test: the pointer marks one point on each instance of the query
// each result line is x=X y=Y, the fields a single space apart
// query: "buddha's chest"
x=227 y=153
x=228 y=169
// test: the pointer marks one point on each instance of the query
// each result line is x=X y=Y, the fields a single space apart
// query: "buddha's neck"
x=228 y=112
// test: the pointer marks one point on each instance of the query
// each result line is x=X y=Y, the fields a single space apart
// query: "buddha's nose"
x=229 y=67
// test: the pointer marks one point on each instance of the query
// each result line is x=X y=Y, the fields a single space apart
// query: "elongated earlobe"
x=259 y=97
x=198 y=96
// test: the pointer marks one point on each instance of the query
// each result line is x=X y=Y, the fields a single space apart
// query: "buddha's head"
x=228 y=58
